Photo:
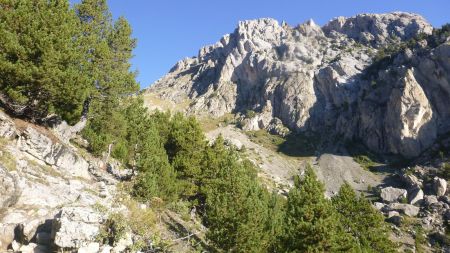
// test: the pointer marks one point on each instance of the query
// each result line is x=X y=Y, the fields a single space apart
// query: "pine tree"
x=185 y=146
x=311 y=224
x=237 y=207
x=146 y=153
x=276 y=206
x=42 y=64
x=361 y=220
x=108 y=49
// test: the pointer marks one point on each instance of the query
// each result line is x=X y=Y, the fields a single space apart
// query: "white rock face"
x=77 y=227
x=415 y=126
x=430 y=200
x=379 y=29
x=90 y=248
x=415 y=195
x=440 y=186
x=53 y=153
x=391 y=194
x=322 y=79
x=7 y=127
x=123 y=244
x=392 y=214
x=39 y=174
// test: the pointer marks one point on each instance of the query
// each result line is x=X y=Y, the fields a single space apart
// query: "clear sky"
x=170 y=30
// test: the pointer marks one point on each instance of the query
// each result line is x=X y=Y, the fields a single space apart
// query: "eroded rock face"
x=379 y=29
x=39 y=174
x=409 y=120
x=7 y=127
x=9 y=189
x=43 y=148
x=76 y=227
x=315 y=79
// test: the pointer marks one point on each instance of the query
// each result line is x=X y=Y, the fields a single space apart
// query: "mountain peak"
x=305 y=76
x=377 y=28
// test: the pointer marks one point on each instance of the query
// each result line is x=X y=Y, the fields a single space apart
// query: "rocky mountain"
x=358 y=78
x=381 y=79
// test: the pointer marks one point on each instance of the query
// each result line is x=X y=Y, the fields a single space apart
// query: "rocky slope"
x=47 y=191
x=57 y=197
x=323 y=79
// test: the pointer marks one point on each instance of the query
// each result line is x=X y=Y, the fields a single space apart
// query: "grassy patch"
x=113 y=229
x=365 y=162
x=141 y=221
x=45 y=168
x=182 y=208
x=153 y=100
x=6 y=158
x=420 y=238
x=209 y=123
x=300 y=145
x=362 y=155
x=8 y=161
x=265 y=139
x=293 y=145
x=445 y=171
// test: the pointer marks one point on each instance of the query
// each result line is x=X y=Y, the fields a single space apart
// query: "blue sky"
x=169 y=30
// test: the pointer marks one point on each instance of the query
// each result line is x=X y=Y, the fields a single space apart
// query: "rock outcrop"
x=45 y=181
x=326 y=79
x=76 y=227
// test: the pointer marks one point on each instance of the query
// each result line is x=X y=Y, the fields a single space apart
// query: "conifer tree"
x=362 y=221
x=311 y=223
x=42 y=67
x=237 y=212
x=185 y=146
x=108 y=49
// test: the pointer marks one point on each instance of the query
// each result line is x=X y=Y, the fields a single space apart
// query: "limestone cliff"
x=328 y=78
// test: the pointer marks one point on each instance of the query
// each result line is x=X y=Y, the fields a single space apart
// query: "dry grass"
x=153 y=101
x=141 y=221
x=265 y=139
x=209 y=123
x=6 y=158
x=22 y=125
x=45 y=168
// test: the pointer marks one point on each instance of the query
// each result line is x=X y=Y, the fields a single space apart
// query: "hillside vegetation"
x=59 y=62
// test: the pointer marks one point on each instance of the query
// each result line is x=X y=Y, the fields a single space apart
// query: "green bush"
x=113 y=229
x=250 y=114
x=364 y=161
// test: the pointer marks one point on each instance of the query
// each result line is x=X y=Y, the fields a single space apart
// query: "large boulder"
x=76 y=227
x=440 y=186
x=411 y=181
x=415 y=195
x=430 y=200
x=391 y=194
x=396 y=220
x=406 y=209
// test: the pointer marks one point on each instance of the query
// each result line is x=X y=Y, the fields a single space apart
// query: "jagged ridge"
x=315 y=78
